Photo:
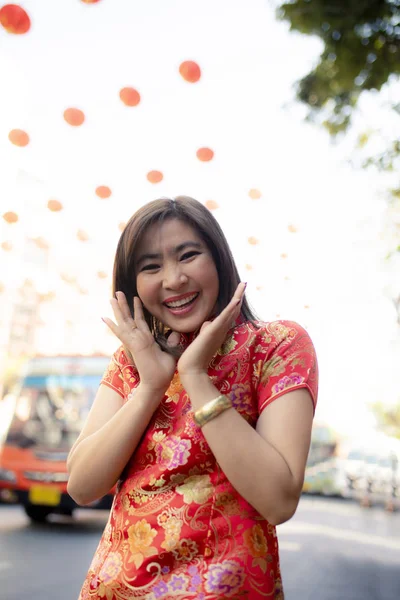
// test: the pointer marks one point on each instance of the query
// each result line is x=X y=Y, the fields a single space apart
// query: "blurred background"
x=284 y=120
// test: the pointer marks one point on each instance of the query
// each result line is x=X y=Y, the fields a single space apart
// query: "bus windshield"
x=51 y=409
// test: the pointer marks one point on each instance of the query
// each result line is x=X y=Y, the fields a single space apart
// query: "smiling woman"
x=203 y=420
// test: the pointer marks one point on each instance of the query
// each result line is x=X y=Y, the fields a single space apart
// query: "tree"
x=360 y=56
x=388 y=418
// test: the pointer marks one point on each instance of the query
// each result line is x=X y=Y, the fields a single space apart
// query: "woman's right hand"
x=155 y=367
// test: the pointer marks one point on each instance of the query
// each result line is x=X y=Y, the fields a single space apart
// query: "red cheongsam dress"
x=177 y=528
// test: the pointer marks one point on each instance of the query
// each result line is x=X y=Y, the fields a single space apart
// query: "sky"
x=320 y=254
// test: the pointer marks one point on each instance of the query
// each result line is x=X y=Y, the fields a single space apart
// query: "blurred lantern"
x=68 y=278
x=283 y=255
x=249 y=267
x=211 y=204
x=101 y=274
x=18 y=137
x=129 y=96
x=82 y=235
x=90 y=1
x=7 y=246
x=14 y=19
x=292 y=229
x=103 y=191
x=10 y=217
x=255 y=194
x=253 y=241
x=121 y=226
x=155 y=176
x=190 y=71
x=49 y=297
x=74 y=117
x=41 y=243
x=54 y=205
x=205 y=154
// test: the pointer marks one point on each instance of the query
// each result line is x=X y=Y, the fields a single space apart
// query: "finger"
x=173 y=339
x=110 y=324
x=117 y=311
x=139 y=314
x=123 y=305
x=234 y=305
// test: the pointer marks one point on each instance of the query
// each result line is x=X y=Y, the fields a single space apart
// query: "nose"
x=174 y=277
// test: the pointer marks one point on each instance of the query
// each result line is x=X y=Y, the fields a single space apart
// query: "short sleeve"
x=120 y=375
x=285 y=361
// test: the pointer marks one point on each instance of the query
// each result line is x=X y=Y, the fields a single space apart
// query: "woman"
x=203 y=419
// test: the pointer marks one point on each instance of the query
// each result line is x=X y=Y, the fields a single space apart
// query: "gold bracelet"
x=211 y=410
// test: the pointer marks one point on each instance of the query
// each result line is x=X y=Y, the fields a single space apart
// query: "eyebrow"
x=176 y=250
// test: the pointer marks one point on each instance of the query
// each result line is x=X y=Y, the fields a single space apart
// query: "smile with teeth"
x=182 y=302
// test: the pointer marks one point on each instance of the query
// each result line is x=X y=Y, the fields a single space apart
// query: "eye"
x=151 y=267
x=189 y=254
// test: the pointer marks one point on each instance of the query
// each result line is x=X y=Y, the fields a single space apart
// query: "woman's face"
x=176 y=280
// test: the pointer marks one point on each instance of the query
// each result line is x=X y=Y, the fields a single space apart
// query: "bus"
x=50 y=405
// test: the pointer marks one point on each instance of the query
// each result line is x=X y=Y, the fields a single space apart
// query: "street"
x=331 y=549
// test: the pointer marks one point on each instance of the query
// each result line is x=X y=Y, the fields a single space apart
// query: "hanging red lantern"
x=18 y=137
x=253 y=241
x=205 y=154
x=255 y=194
x=54 y=205
x=10 y=217
x=74 y=116
x=82 y=235
x=155 y=176
x=14 y=19
x=129 y=96
x=190 y=71
x=211 y=204
x=103 y=191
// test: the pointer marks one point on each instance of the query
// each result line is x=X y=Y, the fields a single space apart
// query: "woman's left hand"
x=196 y=358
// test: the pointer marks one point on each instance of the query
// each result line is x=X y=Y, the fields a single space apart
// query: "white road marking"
x=339 y=534
x=291 y=546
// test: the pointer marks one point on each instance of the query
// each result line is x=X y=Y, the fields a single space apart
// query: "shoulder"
x=274 y=334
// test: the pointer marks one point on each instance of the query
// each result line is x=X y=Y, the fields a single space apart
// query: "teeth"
x=182 y=302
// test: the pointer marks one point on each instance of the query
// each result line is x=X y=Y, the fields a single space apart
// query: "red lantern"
x=18 y=137
x=211 y=204
x=74 y=117
x=129 y=96
x=155 y=176
x=14 y=19
x=190 y=71
x=10 y=217
x=253 y=241
x=205 y=154
x=54 y=205
x=255 y=194
x=103 y=191
x=82 y=235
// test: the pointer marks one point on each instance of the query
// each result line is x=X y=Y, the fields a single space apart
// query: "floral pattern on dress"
x=177 y=528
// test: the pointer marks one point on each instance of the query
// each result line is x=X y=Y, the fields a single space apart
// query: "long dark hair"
x=197 y=216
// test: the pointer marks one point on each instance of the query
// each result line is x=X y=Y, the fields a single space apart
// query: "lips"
x=180 y=301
